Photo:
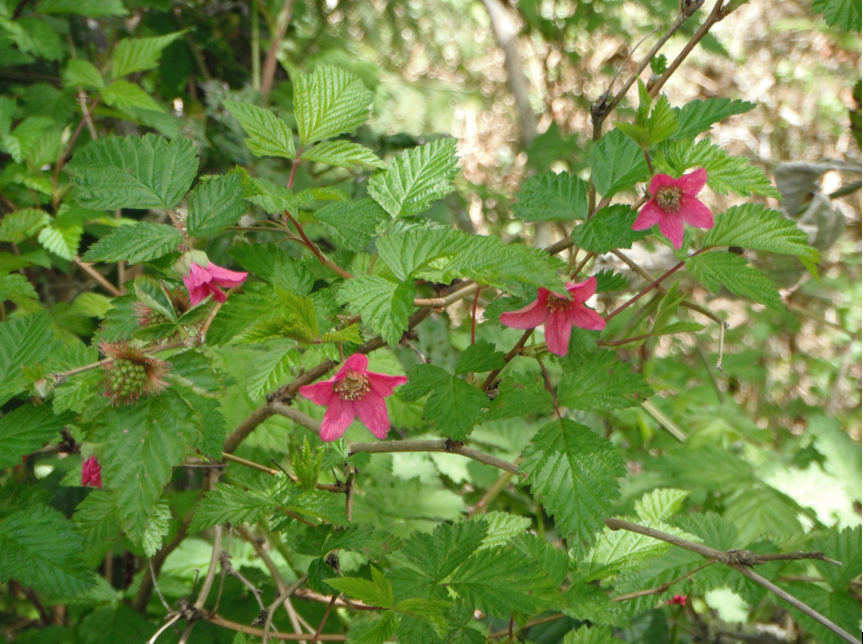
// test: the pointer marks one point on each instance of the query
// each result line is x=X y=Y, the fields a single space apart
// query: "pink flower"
x=674 y=201
x=202 y=282
x=559 y=314
x=354 y=391
x=91 y=473
x=681 y=600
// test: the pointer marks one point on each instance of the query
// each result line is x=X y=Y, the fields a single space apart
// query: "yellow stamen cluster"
x=353 y=386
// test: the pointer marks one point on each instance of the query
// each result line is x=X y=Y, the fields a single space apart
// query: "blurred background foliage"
x=788 y=400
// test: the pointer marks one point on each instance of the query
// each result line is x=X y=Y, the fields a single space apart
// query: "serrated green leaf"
x=550 y=196
x=89 y=8
x=427 y=610
x=416 y=178
x=591 y=635
x=123 y=94
x=574 y=472
x=269 y=370
x=844 y=546
x=377 y=592
x=22 y=224
x=651 y=129
x=268 y=134
x=726 y=173
x=617 y=163
x=343 y=154
x=610 y=228
x=272 y=263
x=215 y=204
x=157 y=528
x=139 y=243
x=732 y=271
x=96 y=519
x=152 y=293
x=763 y=512
x=610 y=281
x=521 y=395
x=660 y=505
x=275 y=199
x=16 y=287
x=80 y=73
x=228 y=504
x=602 y=383
x=760 y=228
x=699 y=116
x=132 y=172
x=454 y=406
x=39 y=548
x=502 y=528
x=378 y=632
x=383 y=305
x=140 y=54
x=667 y=309
x=844 y=14
x=352 y=224
x=480 y=357
x=438 y=554
x=26 y=429
x=838 y=606
x=23 y=342
x=328 y=102
x=62 y=241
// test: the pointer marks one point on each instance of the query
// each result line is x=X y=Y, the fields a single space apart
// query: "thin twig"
x=156 y=585
x=282 y=20
x=446 y=446
x=272 y=608
x=663 y=587
x=291 y=637
x=92 y=272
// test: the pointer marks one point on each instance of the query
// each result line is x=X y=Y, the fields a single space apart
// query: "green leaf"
x=427 y=610
x=140 y=54
x=610 y=228
x=328 y=102
x=501 y=581
x=352 y=224
x=844 y=14
x=23 y=224
x=502 y=528
x=89 y=8
x=142 y=443
x=521 y=395
x=215 y=204
x=378 y=632
x=660 y=505
x=96 y=519
x=138 y=243
x=61 y=240
x=435 y=556
x=132 y=172
x=617 y=163
x=272 y=263
x=123 y=94
x=269 y=370
x=760 y=228
x=844 y=546
x=307 y=466
x=343 y=154
x=667 y=309
x=591 y=635
x=699 y=116
x=39 y=548
x=837 y=606
x=80 y=73
x=268 y=135
x=228 y=504
x=377 y=592
x=726 y=173
x=383 y=305
x=651 y=129
x=157 y=528
x=416 y=178
x=732 y=271
x=574 y=472
x=454 y=406
x=602 y=383
x=276 y=199
x=24 y=341
x=16 y=288
x=550 y=196
x=479 y=358
x=26 y=429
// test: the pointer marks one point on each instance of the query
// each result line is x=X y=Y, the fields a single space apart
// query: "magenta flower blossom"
x=201 y=281
x=681 y=600
x=91 y=473
x=674 y=202
x=353 y=392
x=559 y=314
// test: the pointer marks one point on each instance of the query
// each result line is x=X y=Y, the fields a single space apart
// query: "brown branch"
x=663 y=587
x=446 y=446
x=291 y=637
x=282 y=20
x=104 y=283
x=513 y=353
x=285 y=594
x=317 y=636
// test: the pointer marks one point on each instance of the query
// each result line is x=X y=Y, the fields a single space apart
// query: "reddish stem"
x=294 y=167
x=474 y=313
x=644 y=291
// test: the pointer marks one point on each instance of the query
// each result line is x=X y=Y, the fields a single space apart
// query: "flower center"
x=558 y=303
x=352 y=387
x=668 y=198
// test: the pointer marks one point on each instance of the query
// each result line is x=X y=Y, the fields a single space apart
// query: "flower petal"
x=372 y=411
x=650 y=214
x=673 y=228
x=693 y=182
x=558 y=332
x=336 y=420
x=583 y=317
x=382 y=384
x=218 y=295
x=659 y=181
x=528 y=317
x=582 y=291
x=321 y=393
x=225 y=277
x=696 y=213
x=197 y=293
x=198 y=275
x=356 y=362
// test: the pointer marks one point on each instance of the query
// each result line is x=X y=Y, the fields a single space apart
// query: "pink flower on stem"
x=681 y=600
x=201 y=281
x=674 y=202
x=91 y=473
x=353 y=392
x=559 y=314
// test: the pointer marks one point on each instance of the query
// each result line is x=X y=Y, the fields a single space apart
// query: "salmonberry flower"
x=353 y=392
x=681 y=600
x=131 y=373
x=91 y=473
x=559 y=314
x=674 y=202
x=202 y=277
